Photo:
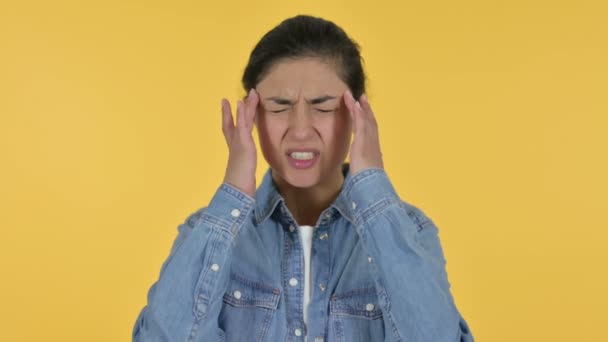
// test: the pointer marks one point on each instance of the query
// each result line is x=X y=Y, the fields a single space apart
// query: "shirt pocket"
x=355 y=316
x=248 y=310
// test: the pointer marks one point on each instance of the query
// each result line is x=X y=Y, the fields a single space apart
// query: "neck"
x=306 y=204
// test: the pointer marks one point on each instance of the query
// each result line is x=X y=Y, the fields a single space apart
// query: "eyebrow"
x=284 y=101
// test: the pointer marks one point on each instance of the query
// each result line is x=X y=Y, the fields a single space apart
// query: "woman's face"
x=303 y=124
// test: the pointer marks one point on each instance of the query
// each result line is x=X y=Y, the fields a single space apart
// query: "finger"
x=251 y=107
x=361 y=117
x=227 y=121
x=240 y=117
x=349 y=101
x=364 y=101
x=357 y=114
x=367 y=109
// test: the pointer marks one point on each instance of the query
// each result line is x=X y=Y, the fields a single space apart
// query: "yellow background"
x=492 y=120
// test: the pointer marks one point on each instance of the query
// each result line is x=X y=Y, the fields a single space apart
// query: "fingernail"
x=358 y=104
x=364 y=97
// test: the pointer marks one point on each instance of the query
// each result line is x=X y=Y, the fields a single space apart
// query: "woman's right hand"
x=242 y=158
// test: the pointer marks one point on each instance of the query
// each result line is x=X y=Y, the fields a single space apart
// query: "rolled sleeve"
x=186 y=297
x=408 y=264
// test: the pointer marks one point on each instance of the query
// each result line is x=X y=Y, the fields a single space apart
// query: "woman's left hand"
x=365 y=150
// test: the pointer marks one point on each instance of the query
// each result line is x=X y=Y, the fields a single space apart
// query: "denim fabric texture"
x=235 y=272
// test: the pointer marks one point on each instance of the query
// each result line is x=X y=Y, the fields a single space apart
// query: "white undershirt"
x=306 y=238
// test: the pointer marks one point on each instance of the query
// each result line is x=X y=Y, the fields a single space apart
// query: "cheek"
x=269 y=133
x=337 y=132
x=342 y=128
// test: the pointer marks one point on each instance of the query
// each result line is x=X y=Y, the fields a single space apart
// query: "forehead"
x=306 y=76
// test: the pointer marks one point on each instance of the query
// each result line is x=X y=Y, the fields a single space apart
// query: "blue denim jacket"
x=378 y=272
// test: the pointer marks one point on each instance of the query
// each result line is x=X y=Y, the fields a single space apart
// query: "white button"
x=298 y=332
x=328 y=215
x=237 y=294
x=369 y=307
x=354 y=205
x=215 y=267
x=235 y=213
x=323 y=236
x=318 y=339
x=369 y=259
x=293 y=281
x=292 y=228
x=322 y=287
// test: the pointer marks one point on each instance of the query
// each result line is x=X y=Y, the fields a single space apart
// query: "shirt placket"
x=293 y=279
x=320 y=270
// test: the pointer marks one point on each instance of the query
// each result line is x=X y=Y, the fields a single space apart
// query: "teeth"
x=302 y=155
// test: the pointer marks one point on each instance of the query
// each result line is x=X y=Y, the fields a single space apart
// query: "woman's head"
x=301 y=70
x=307 y=36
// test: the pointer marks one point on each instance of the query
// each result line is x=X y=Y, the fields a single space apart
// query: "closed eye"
x=320 y=110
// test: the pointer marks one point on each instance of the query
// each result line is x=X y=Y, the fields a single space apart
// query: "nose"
x=300 y=123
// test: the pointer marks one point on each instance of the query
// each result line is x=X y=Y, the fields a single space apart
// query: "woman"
x=324 y=250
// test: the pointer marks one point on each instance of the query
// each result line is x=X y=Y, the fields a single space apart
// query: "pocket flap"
x=246 y=292
x=361 y=302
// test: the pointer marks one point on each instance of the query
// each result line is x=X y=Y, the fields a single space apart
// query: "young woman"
x=323 y=250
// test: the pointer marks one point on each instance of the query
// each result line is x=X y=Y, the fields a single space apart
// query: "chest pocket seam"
x=359 y=303
x=243 y=292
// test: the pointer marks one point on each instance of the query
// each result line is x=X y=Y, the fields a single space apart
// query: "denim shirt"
x=235 y=272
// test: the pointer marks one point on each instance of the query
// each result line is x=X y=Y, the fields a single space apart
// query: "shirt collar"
x=268 y=198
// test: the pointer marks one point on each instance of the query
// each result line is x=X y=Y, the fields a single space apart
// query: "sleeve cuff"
x=229 y=209
x=368 y=192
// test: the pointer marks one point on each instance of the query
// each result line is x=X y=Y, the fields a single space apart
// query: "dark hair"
x=307 y=36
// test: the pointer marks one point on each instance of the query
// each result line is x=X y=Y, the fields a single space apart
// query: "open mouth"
x=302 y=159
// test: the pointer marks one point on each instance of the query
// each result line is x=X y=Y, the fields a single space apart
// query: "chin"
x=304 y=178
